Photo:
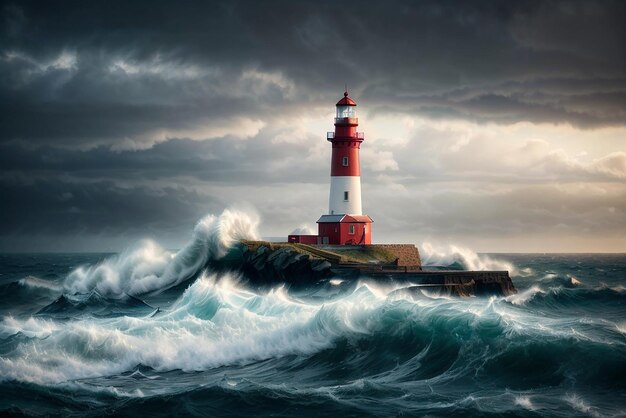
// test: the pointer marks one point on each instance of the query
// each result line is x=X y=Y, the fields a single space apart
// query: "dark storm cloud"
x=67 y=208
x=224 y=160
x=187 y=61
x=114 y=112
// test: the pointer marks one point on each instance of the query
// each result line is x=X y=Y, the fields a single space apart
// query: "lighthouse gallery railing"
x=359 y=135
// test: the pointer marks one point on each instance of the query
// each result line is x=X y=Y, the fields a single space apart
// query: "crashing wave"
x=148 y=267
x=566 y=280
x=453 y=256
x=373 y=333
x=67 y=306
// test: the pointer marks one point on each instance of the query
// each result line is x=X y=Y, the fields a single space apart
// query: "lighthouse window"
x=346 y=112
x=351 y=230
x=345 y=161
x=345 y=196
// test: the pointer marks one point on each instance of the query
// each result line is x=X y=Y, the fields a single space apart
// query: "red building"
x=303 y=239
x=345 y=223
x=344 y=229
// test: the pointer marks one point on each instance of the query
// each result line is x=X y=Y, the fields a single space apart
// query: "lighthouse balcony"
x=357 y=135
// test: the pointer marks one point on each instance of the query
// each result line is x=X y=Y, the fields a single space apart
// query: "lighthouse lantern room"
x=345 y=223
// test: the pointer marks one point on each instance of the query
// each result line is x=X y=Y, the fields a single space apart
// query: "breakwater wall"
x=297 y=264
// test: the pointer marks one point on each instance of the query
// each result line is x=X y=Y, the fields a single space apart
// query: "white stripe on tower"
x=339 y=185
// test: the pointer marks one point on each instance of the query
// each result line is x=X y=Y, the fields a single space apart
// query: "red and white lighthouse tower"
x=345 y=222
x=345 y=167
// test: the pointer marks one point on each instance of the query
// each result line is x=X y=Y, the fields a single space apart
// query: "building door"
x=324 y=240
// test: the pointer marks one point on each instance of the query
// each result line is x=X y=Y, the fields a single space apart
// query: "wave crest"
x=147 y=267
x=451 y=255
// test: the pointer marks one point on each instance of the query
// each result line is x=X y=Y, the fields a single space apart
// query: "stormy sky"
x=500 y=126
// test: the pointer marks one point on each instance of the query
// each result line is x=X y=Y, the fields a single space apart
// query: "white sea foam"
x=619 y=288
x=216 y=323
x=522 y=297
x=147 y=267
x=37 y=283
x=526 y=271
x=524 y=402
x=447 y=255
x=213 y=323
x=580 y=405
x=303 y=229
x=31 y=327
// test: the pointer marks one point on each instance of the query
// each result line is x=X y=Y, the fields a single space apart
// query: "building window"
x=345 y=196
x=345 y=161
x=351 y=231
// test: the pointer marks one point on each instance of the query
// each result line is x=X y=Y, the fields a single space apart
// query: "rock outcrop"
x=269 y=264
x=284 y=265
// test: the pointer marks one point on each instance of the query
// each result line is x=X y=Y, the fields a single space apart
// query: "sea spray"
x=370 y=349
x=450 y=255
x=212 y=324
x=337 y=347
x=147 y=267
x=303 y=229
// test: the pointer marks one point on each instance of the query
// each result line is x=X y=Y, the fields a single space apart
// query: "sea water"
x=154 y=332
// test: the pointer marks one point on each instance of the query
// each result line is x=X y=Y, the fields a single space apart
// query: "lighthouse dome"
x=346 y=101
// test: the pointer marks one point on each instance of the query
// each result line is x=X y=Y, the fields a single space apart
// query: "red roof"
x=346 y=101
x=357 y=218
x=344 y=218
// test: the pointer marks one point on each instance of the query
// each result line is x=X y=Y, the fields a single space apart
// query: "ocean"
x=154 y=332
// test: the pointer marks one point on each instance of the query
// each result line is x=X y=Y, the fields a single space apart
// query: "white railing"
x=358 y=135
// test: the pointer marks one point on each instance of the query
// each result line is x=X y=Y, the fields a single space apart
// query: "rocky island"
x=267 y=263
x=342 y=249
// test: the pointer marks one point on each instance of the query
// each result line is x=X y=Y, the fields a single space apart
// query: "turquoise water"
x=212 y=346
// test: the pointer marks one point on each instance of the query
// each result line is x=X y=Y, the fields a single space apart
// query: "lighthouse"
x=345 y=167
x=345 y=223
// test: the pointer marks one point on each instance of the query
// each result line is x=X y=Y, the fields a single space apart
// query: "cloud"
x=448 y=150
x=613 y=164
x=127 y=117
x=89 y=85
x=58 y=207
x=378 y=160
